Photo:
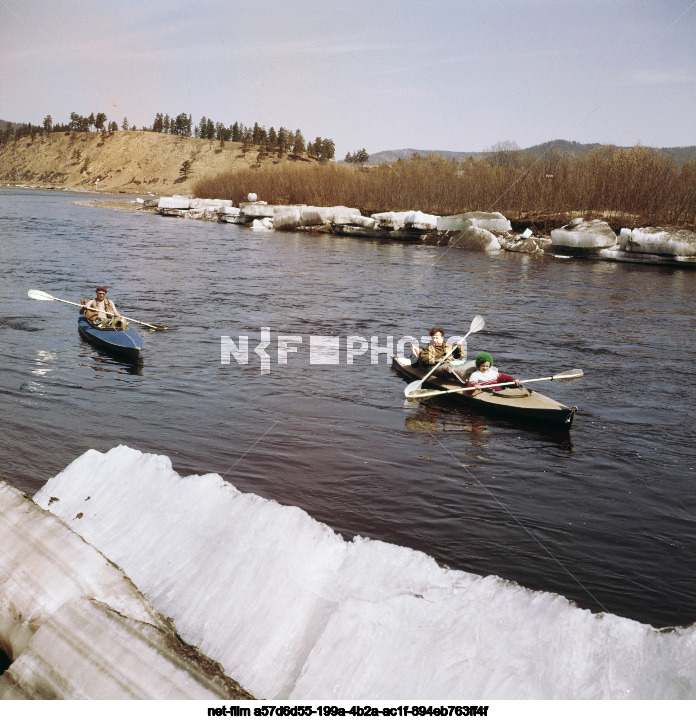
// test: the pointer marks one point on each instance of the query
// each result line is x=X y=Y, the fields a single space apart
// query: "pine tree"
x=327 y=150
x=298 y=146
x=185 y=169
x=282 y=141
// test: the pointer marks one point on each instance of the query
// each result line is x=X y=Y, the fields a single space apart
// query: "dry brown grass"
x=635 y=186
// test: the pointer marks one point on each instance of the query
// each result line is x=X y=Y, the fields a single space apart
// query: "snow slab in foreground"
x=75 y=627
x=291 y=610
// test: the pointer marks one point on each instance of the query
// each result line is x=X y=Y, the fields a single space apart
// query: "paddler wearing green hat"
x=486 y=375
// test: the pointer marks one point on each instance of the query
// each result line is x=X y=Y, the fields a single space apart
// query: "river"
x=602 y=514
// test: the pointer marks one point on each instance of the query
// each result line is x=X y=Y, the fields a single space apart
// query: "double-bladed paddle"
x=40 y=295
x=477 y=324
x=564 y=376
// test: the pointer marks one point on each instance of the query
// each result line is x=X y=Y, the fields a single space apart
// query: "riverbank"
x=474 y=231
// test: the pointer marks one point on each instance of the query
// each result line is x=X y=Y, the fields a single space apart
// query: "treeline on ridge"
x=629 y=187
x=269 y=141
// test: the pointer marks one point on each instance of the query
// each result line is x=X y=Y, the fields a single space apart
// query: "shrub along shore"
x=631 y=187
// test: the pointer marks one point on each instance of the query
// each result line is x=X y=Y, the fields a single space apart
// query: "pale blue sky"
x=430 y=74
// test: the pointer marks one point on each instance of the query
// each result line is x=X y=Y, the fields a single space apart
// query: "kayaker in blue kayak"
x=486 y=375
x=435 y=351
x=96 y=310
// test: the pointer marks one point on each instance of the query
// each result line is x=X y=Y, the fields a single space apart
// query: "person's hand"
x=84 y=301
x=517 y=382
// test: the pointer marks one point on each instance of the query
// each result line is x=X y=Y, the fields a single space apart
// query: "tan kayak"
x=517 y=403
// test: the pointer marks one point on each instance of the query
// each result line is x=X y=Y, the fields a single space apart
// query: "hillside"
x=123 y=161
x=564 y=147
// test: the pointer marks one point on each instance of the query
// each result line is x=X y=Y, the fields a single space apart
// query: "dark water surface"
x=603 y=515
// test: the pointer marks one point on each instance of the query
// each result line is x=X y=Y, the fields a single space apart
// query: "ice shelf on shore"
x=74 y=625
x=494 y=222
x=659 y=241
x=580 y=237
x=474 y=238
x=292 y=610
x=584 y=234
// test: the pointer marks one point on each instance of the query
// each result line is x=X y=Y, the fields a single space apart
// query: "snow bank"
x=581 y=233
x=660 y=241
x=293 y=611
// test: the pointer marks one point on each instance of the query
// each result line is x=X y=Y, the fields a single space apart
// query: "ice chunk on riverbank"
x=286 y=219
x=293 y=611
x=474 y=239
x=74 y=626
x=494 y=222
x=581 y=233
x=391 y=220
x=175 y=202
x=362 y=221
x=420 y=221
x=263 y=224
x=207 y=203
x=408 y=219
x=659 y=241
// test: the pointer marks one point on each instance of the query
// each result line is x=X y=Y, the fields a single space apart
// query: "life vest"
x=109 y=307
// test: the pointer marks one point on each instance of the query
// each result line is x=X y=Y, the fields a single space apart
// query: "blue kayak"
x=125 y=343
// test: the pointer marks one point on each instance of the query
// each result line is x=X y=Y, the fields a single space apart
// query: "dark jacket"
x=431 y=355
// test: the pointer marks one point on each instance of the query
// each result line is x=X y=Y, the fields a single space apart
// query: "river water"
x=603 y=514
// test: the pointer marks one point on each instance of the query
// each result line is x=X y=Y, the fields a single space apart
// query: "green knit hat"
x=482 y=358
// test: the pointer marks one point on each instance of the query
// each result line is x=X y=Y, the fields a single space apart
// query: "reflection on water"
x=338 y=440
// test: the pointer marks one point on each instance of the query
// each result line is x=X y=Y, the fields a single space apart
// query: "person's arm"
x=504 y=378
x=424 y=356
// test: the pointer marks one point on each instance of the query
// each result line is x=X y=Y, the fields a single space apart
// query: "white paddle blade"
x=477 y=324
x=412 y=388
x=39 y=295
x=569 y=375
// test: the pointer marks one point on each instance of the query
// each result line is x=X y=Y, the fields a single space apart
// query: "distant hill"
x=565 y=147
x=391 y=156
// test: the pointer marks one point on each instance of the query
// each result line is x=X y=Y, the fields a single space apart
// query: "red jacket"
x=502 y=378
